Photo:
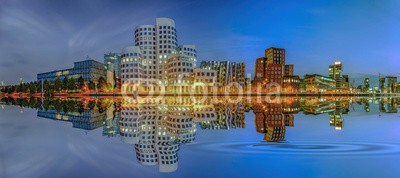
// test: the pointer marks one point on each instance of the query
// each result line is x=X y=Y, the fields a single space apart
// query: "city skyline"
x=314 y=34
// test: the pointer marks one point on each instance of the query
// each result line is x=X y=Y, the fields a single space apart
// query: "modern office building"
x=227 y=72
x=318 y=83
x=157 y=42
x=391 y=84
x=335 y=72
x=89 y=70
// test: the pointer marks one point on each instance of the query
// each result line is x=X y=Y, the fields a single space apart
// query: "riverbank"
x=98 y=94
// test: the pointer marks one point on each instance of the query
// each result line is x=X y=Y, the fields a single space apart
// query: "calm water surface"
x=295 y=137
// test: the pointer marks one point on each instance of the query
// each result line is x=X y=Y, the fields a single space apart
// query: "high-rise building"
x=156 y=43
x=275 y=55
x=391 y=84
x=271 y=68
x=335 y=72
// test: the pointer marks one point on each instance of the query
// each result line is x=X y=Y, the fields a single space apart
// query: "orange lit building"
x=289 y=70
x=274 y=74
x=275 y=55
x=291 y=84
x=271 y=69
x=259 y=71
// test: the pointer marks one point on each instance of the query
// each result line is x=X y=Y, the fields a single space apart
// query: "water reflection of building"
x=87 y=120
x=392 y=105
x=156 y=130
x=319 y=106
x=110 y=124
x=270 y=120
x=336 y=117
x=227 y=116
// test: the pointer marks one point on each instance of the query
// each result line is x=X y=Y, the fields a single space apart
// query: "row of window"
x=205 y=74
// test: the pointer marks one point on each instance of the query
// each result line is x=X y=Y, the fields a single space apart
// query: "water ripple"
x=305 y=148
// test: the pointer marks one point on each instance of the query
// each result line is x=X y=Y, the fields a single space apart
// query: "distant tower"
x=382 y=84
x=367 y=84
x=335 y=72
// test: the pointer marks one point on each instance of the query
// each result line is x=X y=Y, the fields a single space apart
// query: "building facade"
x=335 y=72
x=275 y=55
x=227 y=72
x=291 y=84
x=112 y=61
x=318 y=83
x=204 y=80
x=131 y=69
x=180 y=70
x=289 y=70
x=391 y=84
x=157 y=42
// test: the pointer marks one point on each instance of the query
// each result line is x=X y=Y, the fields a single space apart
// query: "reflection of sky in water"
x=367 y=146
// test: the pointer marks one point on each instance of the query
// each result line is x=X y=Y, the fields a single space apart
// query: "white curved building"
x=188 y=51
x=145 y=37
x=131 y=69
x=157 y=42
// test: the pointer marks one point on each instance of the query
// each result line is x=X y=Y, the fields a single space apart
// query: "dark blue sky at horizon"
x=45 y=35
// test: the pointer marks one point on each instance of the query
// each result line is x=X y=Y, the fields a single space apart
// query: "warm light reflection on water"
x=166 y=137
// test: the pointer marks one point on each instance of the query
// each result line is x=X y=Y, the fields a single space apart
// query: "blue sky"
x=43 y=35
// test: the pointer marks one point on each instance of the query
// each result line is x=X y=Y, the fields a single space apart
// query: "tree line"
x=66 y=84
